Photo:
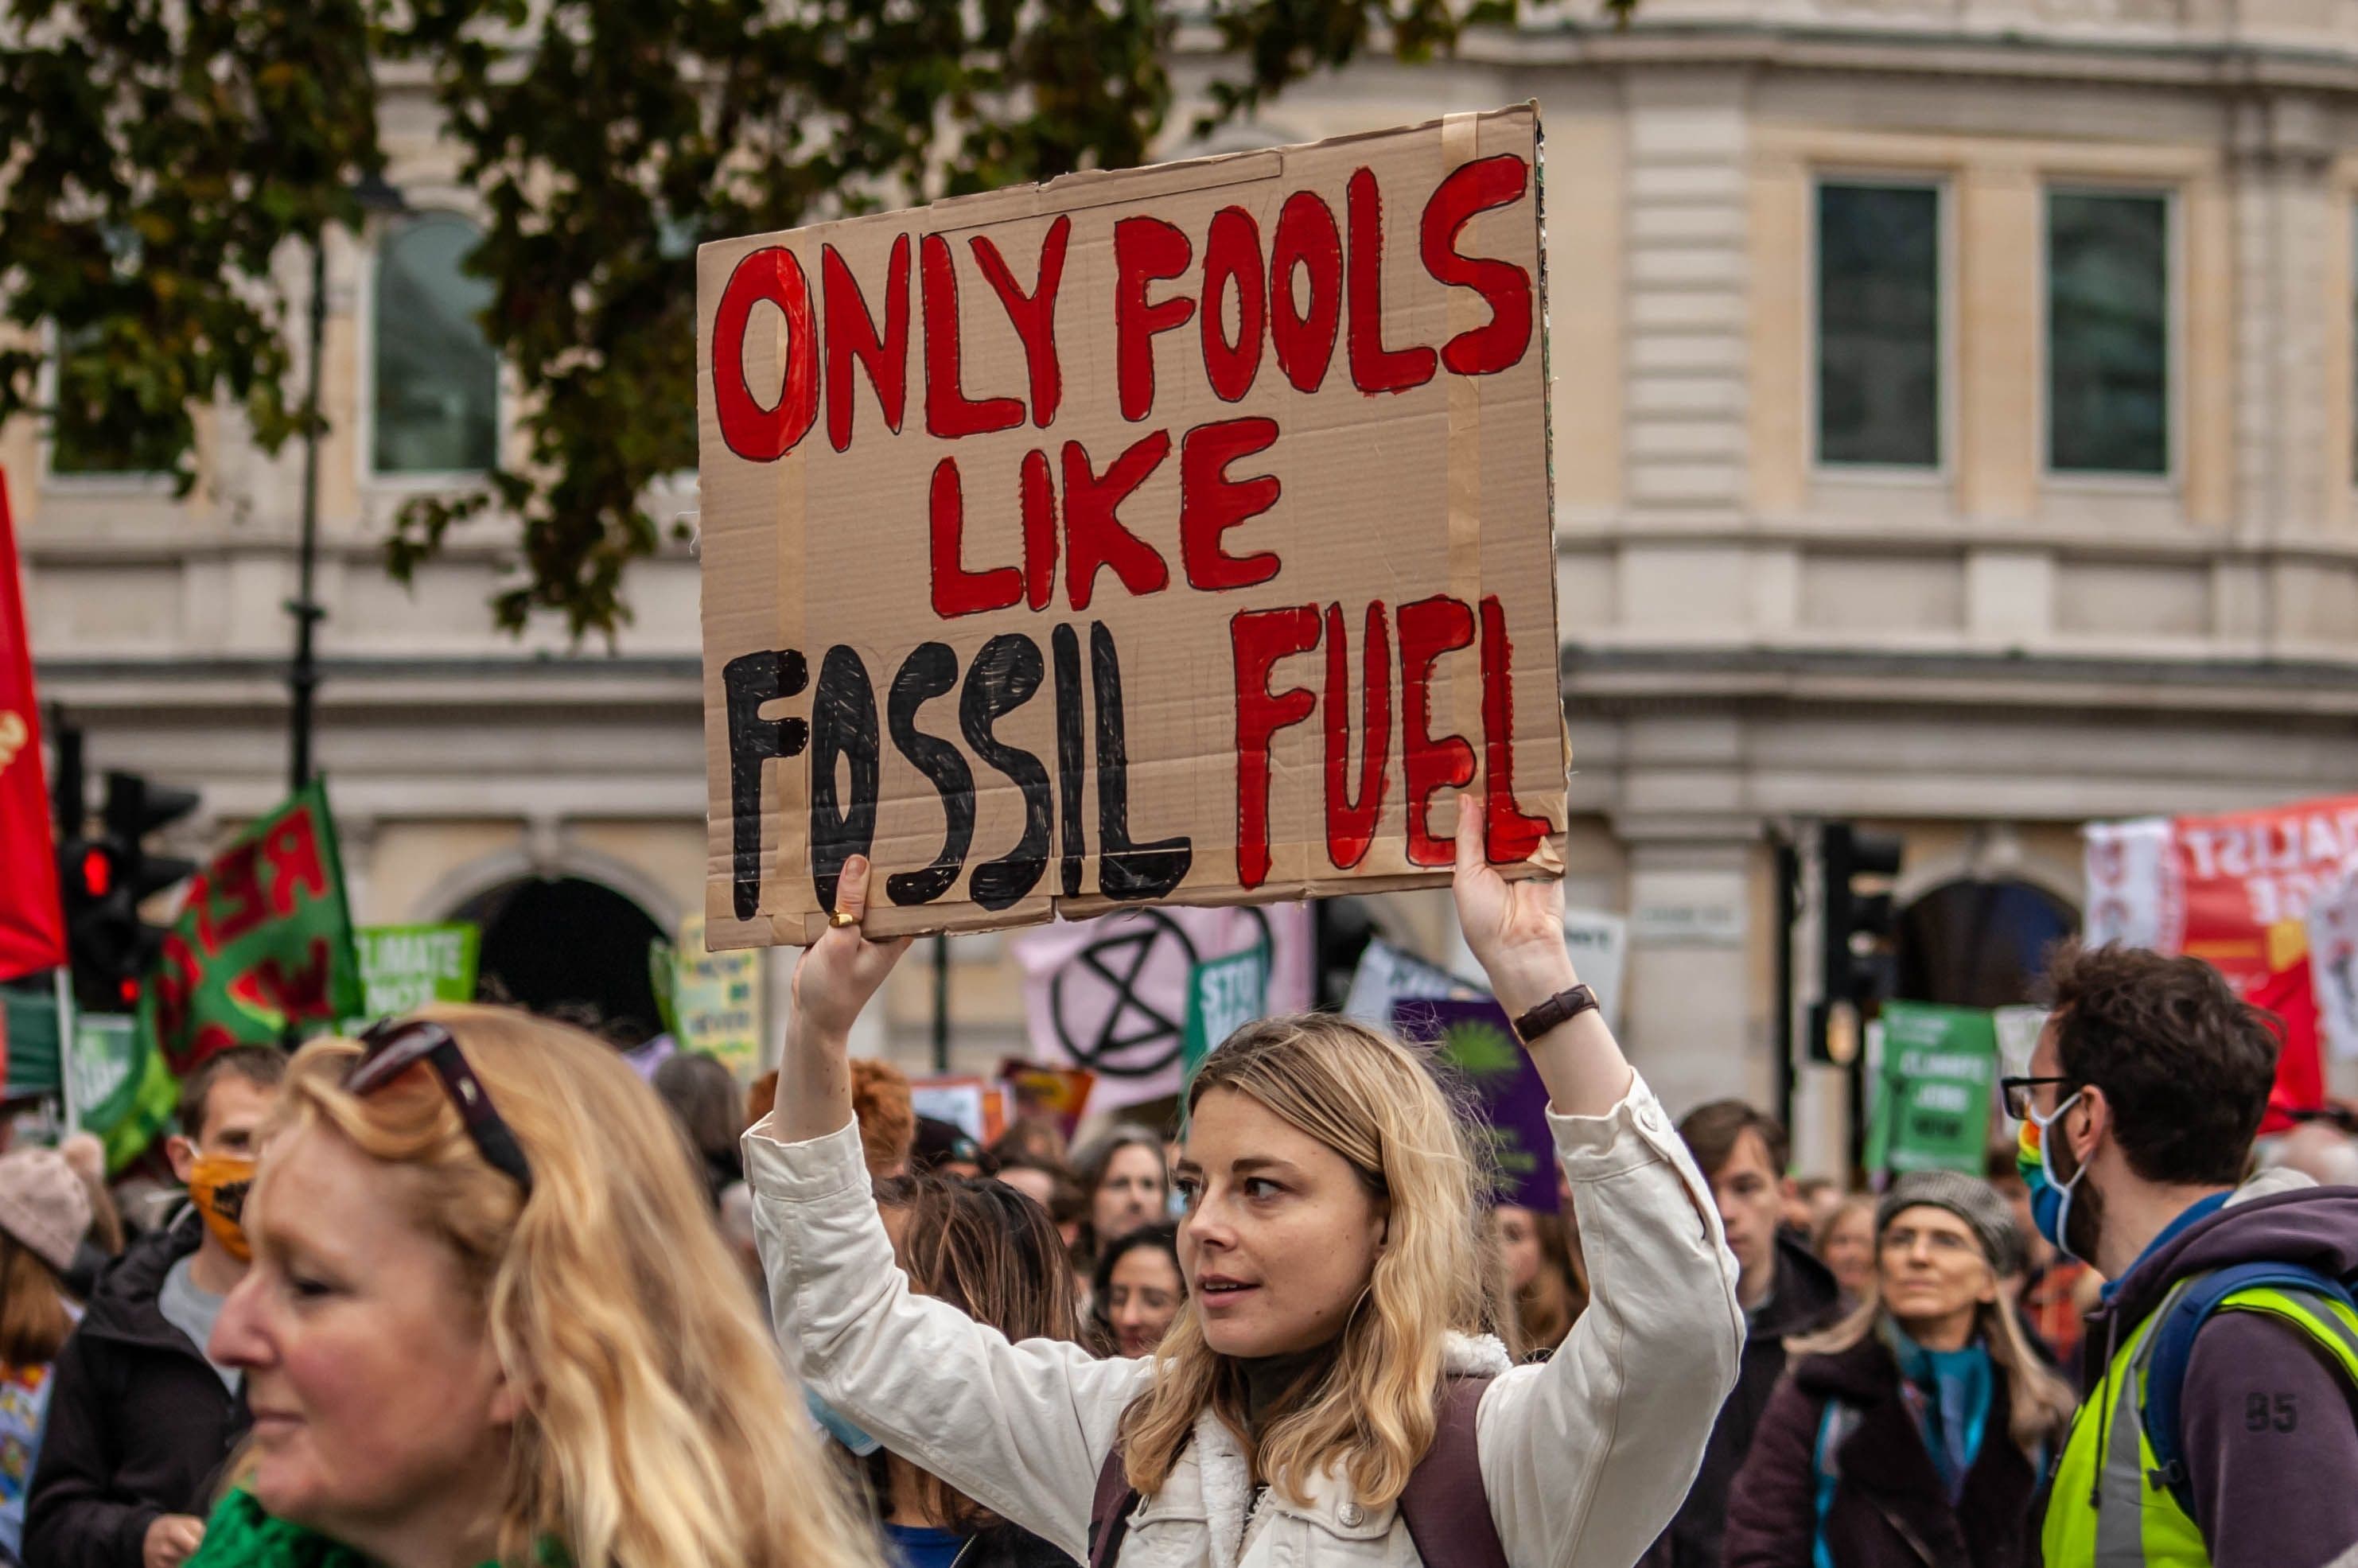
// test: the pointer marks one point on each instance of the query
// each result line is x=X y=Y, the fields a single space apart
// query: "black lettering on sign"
x=1003 y=678
x=749 y=681
x=929 y=672
x=1125 y=869
x=843 y=730
x=1066 y=648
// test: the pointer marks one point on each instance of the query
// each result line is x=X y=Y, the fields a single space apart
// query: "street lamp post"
x=303 y=674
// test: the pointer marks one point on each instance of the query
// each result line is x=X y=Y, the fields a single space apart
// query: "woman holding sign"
x=1326 y=1394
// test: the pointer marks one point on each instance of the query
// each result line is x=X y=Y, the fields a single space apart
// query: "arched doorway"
x=570 y=948
x=1979 y=944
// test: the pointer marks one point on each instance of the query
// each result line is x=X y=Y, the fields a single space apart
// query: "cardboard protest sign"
x=1177 y=534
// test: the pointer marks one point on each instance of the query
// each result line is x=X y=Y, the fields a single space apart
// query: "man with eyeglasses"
x=2219 y=1423
x=141 y=1420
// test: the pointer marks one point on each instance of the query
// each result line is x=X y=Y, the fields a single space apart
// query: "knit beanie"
x=44 y=1205
x=1970 y=1199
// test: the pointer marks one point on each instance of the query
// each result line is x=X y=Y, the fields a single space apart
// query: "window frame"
x=51 y=478
x=369 y=263
x=1943 y=183
x=2172 y=478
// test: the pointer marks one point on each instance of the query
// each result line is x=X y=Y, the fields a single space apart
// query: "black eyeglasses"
x=395 y=1046
x=2015 y=1093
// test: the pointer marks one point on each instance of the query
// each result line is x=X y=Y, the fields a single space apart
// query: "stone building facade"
x=1953 y=432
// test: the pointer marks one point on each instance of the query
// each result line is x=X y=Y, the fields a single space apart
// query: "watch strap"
x=1554 y=1012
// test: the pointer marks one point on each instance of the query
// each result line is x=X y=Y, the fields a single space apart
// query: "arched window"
x=436 y=393
x=1979 y=944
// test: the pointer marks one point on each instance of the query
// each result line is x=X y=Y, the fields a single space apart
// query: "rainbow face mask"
x=2051 y=1200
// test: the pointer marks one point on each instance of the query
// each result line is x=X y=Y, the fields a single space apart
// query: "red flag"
x=32 y=927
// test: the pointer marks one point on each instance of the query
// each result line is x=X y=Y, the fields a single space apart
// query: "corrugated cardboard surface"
x=1440 y=489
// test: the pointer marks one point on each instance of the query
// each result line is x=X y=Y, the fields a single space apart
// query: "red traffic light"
x=131 y=993
x=97 y=871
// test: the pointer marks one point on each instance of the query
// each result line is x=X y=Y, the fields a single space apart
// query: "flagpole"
x=63 y=976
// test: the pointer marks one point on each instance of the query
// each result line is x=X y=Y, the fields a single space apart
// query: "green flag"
x=1934 y=1107
x=264 y=944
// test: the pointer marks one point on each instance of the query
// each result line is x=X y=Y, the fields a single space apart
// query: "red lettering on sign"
x=1473 y=188
x=298 y=992
x=1034 y=315
x=1304 y=338
x=1351 y=824
x=178 y=976
x=949 y=412
x=292 y=850
x=756 y=432
x=1232 y=258
x=958 y=591
x=1094 y=536
x=1210 y=502
x=1375 y=368
x=238 y=906
x=851 y=335
x=1510 y=834
x=1145 y=250
x=1039 y=493
x=1258 y=639
x=1429 y=763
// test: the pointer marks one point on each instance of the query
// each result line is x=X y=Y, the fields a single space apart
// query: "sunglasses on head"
x=395 y=1046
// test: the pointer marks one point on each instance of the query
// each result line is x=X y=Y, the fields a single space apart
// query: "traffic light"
x=1855 y=967
x=104 y=876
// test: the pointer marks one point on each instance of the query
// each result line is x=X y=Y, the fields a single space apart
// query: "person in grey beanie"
x=1914 y=1431
x=44 y=1210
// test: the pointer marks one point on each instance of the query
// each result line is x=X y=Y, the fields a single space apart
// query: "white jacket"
x=1583 y=1458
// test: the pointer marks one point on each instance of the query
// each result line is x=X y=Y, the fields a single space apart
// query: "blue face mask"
x=2034 y=1158
x=841 y=1429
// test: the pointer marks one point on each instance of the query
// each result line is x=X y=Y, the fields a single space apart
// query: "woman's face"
x=1518 y=1230
x=1850 y=1251
x=1142 y=1295
x=1932 y=1273
x=1131 y=1193
x=377 y=1398
x=1279 y=1237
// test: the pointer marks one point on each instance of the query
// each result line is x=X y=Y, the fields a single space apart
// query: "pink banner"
x=1110 y=994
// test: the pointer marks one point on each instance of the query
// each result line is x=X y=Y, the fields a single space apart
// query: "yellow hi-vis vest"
x=2108 y=1509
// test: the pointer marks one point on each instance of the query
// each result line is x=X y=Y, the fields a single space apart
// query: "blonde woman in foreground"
x=489 y=1321
x=1326 y=1395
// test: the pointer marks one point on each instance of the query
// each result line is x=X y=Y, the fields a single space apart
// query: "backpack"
x=1443 y=1505
x=2165 y=1382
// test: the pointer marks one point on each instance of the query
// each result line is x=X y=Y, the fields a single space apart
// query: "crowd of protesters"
x=473 y=1290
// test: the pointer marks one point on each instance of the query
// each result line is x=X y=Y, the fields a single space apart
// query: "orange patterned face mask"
x=217 y=1185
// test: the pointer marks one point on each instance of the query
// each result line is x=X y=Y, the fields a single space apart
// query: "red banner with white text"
x=2235 y=890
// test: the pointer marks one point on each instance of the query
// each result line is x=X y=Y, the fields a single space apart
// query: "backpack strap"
x=1445 y=1505
x=1109 y=1510
x=2172 y=1350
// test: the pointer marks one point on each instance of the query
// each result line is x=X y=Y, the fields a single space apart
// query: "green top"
x=240 y=1535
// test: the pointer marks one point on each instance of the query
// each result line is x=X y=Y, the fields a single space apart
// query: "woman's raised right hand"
x=843 y=969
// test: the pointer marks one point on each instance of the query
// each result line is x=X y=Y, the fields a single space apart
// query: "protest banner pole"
x=62 y=977
x=941 y=1002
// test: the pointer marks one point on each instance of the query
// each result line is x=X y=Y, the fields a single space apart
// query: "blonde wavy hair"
x=1376 y=1103
x=658 y=1427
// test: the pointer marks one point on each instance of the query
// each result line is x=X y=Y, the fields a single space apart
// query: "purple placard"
x=1476 y=1040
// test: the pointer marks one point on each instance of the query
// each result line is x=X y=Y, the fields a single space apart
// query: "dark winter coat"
x=1805 y=1299
x=1889 y=1508
x=140 y=1424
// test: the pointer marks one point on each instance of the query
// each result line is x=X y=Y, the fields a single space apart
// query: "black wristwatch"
x=1558 y=1009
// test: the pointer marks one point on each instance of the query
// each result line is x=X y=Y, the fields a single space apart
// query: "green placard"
x=1223 y=996
x=1933 y=1098
x=403 y=967
x=716 y=1000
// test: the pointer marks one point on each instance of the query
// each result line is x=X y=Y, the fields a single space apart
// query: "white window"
x=435 y=406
